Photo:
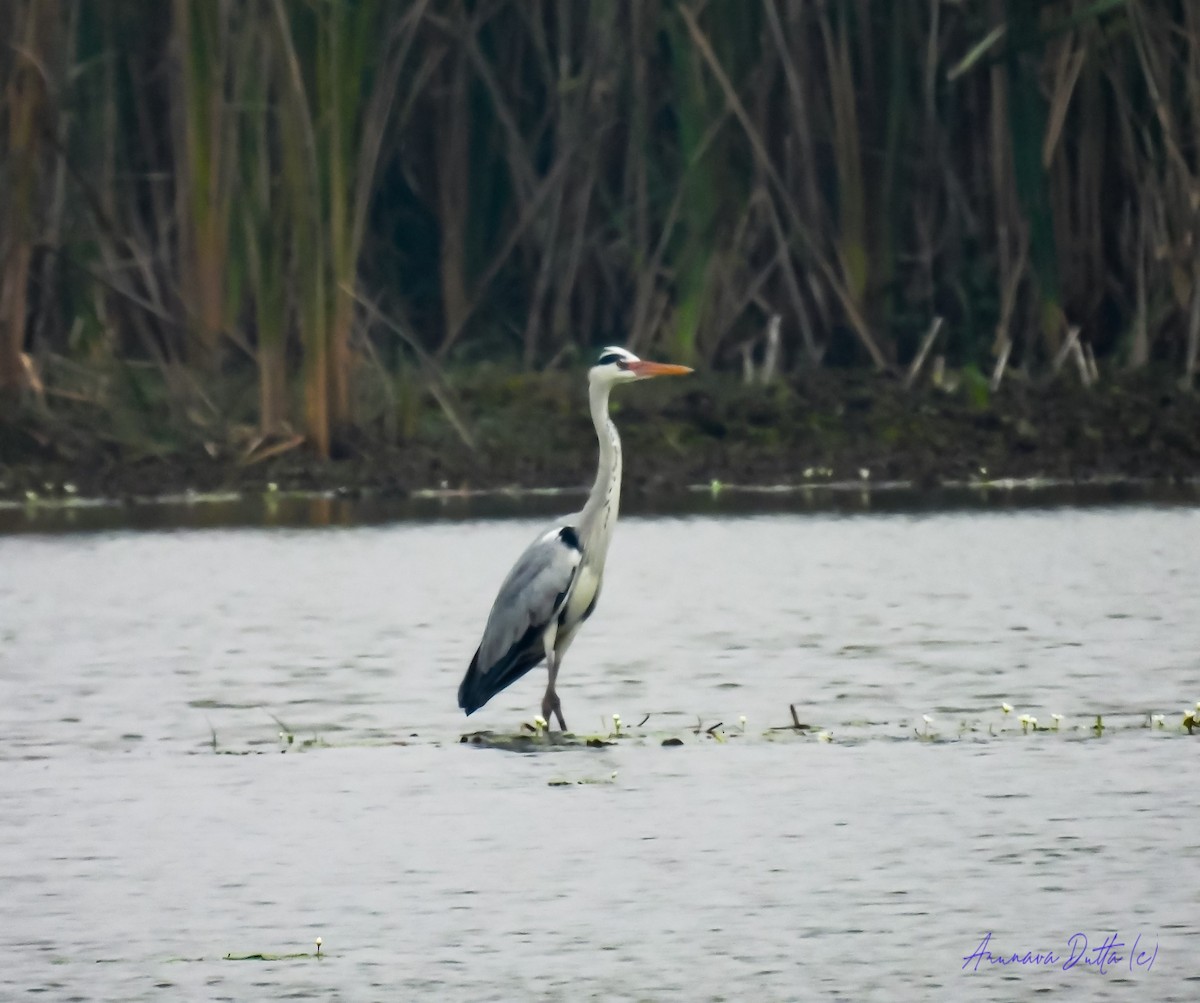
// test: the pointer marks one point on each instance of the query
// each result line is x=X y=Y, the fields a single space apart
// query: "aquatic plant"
x=582 y=781
x=518 y=179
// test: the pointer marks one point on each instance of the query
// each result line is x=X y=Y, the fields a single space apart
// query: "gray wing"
x=532 y=595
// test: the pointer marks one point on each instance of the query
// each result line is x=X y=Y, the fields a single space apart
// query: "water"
x=134 y=855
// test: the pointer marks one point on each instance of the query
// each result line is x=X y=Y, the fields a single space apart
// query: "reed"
x=524 y=179
x=32 y=31
x=205 y=160
x=266 y=233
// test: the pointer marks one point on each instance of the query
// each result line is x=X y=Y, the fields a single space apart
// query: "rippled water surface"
x=153 y=821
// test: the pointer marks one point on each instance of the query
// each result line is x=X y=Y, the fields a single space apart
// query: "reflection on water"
x=860 y=868
x=297 y=510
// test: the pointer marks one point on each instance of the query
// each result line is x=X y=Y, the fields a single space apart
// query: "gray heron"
x=555 y=584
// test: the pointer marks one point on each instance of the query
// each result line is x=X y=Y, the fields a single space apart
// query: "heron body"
x=555 y=584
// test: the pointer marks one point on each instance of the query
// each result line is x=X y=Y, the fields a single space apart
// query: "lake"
x=223 y=743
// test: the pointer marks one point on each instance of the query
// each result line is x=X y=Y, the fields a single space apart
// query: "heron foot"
x=552 y=705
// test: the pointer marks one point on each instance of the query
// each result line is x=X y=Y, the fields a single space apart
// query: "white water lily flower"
x=1007 y=708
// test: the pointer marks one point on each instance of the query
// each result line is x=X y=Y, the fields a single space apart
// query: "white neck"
x=600 y=513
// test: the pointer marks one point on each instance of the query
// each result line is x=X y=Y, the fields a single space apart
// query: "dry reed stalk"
x=582 y=176
x=1081 y=364
x=1001 y=365
x=843 y=294
x=266 y=234
x=206 y=154
x=914 y=370
x=435 y=381
x=1067 y=347
x=26 y=100
x=1192 y=352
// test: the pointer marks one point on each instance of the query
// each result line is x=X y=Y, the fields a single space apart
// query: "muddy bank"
x=534 y=431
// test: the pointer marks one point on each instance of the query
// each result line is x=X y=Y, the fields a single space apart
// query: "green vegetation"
x=676 y=729
x=259 y=225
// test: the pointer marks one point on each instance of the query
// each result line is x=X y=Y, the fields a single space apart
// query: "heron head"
x=617 y=365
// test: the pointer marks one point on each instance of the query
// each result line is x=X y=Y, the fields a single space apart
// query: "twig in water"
x=795 y=718
x=277 y=721
x=285 y=732
x=643 y=720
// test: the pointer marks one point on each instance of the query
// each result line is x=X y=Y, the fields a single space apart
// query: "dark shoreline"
x=533 y=431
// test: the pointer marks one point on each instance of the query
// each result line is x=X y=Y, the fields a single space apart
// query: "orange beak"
x=648 y=369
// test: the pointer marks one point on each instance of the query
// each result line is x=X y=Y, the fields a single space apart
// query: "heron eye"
x=609 y=359
x=622 y=364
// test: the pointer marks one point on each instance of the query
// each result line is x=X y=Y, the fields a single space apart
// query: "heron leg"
x=550 y=702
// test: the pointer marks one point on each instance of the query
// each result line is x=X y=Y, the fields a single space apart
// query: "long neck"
x=600 y=512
